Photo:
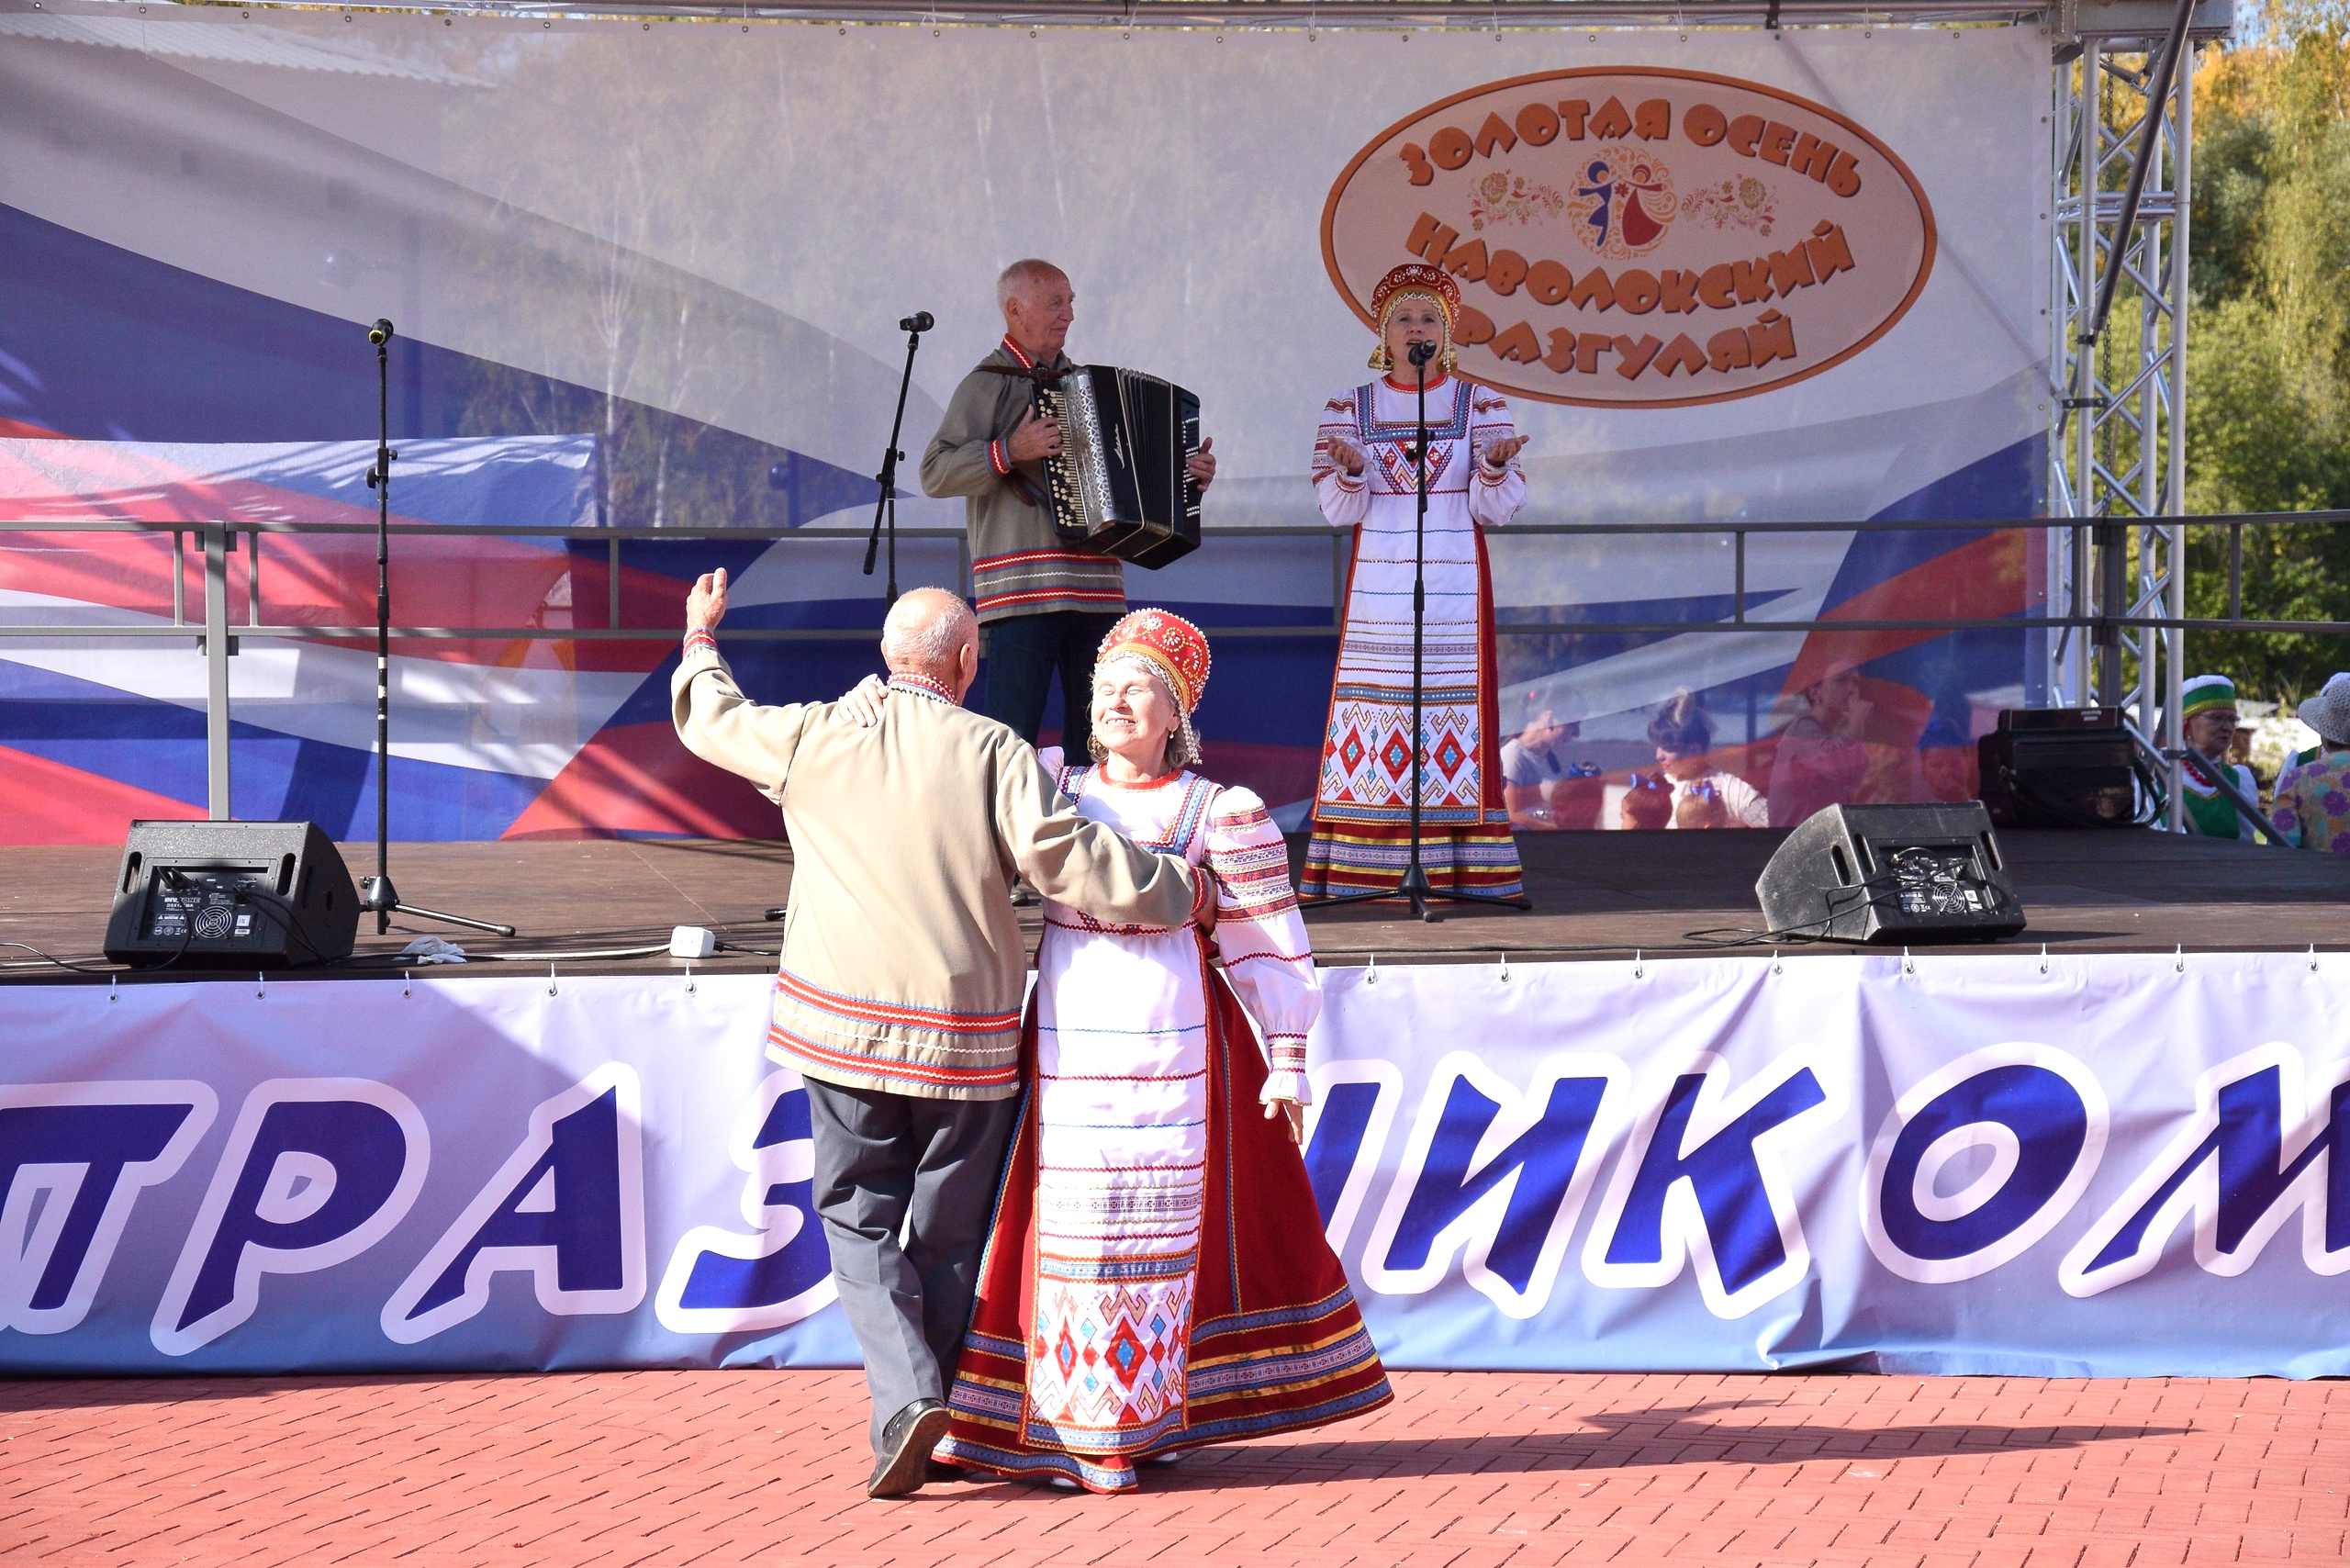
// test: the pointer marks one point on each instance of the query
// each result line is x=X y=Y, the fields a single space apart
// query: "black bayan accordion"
x=1121 y=485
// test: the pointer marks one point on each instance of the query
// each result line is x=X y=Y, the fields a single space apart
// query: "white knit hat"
x=2328 y=711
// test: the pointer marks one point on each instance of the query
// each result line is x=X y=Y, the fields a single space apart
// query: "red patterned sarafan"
x=1418 y=277
x=1170 y=644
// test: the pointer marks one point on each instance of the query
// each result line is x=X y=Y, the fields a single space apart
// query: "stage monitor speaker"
x=1925 y=873
x=2060 y=768
x=231 y=895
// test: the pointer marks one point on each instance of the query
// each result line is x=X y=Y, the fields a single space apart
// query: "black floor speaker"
x=1925 y=873
x=231 y=895
x=2063 y=767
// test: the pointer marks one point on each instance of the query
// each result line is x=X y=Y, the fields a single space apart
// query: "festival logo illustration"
x=1632 y=237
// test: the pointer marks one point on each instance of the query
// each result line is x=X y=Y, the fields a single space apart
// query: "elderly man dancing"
x=899 y=997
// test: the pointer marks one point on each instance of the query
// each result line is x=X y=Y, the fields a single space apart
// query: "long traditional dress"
x=1362 y=801
x=1127 y=1305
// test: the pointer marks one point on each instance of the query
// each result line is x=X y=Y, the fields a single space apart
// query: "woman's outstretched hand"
x=1295 y=1112
x=1498 y=454
x=861 y=703
x=1345 y=455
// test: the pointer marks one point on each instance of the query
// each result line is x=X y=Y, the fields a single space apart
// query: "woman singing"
x=1363 y=476
x=1156 y=1278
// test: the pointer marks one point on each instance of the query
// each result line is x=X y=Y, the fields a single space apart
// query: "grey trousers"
x=906 y=1187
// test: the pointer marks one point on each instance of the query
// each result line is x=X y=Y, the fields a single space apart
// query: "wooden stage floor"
x=1595 y=894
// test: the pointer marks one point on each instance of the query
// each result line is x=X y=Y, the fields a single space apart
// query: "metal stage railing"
x=216 y=634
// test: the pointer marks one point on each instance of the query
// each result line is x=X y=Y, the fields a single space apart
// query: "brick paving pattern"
x=1465 y=1470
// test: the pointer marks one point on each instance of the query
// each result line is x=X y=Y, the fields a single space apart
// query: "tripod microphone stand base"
x=378 y=894
x=1416 y=888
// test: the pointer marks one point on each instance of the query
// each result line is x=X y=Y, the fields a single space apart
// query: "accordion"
x=1121 y=485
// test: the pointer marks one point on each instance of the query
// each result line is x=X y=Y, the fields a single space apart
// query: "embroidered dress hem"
x=1275 y=1344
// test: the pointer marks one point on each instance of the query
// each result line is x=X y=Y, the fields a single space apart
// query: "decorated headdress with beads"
x=1177 y=652
x=1409 y=281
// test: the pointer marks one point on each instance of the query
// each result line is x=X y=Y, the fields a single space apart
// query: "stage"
x=1595 y=895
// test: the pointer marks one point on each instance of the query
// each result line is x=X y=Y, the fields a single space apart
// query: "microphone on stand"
x=920 y=321
x=1423 y=352
x=381 y=332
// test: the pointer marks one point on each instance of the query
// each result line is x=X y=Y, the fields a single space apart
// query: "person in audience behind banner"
x=2208 y=717
x=1703 y=795
x=1543 y=786
x=1840 y=752
x=1365 y=479
x=2312 y=808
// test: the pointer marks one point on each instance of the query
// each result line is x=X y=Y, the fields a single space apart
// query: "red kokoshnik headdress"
x=1414 y=279
x=1175 y=650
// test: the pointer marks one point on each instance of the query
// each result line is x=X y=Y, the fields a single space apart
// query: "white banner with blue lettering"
x=2110 y=1165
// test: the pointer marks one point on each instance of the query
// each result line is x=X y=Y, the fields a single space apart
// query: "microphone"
x=381 y=332
x=1421 y=353
x=920 y=321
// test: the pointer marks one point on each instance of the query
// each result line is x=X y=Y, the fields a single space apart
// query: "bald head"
x=927 y=633
x=1039 y=303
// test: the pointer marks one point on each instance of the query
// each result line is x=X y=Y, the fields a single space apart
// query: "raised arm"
x=714 y=720
x=1267 y=955
x=1083 y=864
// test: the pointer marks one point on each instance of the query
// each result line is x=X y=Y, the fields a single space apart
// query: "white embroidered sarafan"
x=1363 y=796
x=1121 y=1052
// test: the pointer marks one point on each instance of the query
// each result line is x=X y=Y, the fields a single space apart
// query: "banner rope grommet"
x=551 y=979
x=260 y=986
x=112 y=997
x=1371 y=970
x=1640 y=970
x=1909 y=964
x=1776 y=967
x=2178 y=965
x=2043 y=957
x=689 y=978
x=407 y=978
x=2312 y=957
x=1505 y=969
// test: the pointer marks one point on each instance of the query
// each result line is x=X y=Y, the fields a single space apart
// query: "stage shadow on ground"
x=1627 y=1440
x=20 y=1394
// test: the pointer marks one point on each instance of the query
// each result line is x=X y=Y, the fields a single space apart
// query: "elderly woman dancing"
x=1147 y=1196
x=1364 y=477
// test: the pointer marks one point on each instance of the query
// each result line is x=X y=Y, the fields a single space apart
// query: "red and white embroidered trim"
x=922 y=686
x=698 y=638
x=1019 y=354
x=998 y=461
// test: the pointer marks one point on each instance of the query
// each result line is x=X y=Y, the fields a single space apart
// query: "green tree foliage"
x=2268 y=421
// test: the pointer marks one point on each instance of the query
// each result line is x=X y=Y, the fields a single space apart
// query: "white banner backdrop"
x=2110 y=1165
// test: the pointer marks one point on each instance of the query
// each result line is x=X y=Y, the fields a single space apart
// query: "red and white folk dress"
x=1127 y=1303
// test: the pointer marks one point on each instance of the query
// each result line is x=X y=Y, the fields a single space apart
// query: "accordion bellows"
x=1121 y=484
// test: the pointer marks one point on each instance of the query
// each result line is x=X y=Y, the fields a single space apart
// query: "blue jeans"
x=1023 y=652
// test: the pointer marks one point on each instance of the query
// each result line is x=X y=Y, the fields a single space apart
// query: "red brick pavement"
x=1465 y=1470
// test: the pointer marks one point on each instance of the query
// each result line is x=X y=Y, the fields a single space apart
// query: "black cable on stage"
x=106 y=969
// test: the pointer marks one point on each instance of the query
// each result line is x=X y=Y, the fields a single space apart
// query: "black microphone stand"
x=913 y=326
x=1414 y=885
x=377 y=893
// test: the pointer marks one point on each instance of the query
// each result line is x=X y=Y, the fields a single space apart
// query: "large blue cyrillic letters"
x=1697 y=1181
x=316 y=1171
x=1499 y=1174
x=720 y=1281
x=567 y=1207
x=74 y=1158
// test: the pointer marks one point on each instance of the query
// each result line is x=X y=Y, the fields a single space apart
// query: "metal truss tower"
x=2117 y=442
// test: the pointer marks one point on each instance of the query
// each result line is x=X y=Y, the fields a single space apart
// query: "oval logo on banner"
x=1639 y=238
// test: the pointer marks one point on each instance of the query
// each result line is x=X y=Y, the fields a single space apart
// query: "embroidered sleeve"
x=1262 y=936
x=1345 y=497
x=998 y=460
x=1495 y=495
